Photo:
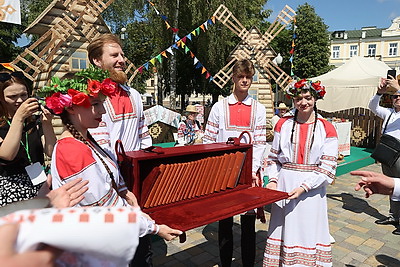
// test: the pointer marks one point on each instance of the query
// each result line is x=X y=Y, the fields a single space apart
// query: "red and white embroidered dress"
x=298 y=233
x=124 y=120
x=229 y=118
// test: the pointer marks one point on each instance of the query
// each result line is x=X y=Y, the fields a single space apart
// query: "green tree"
x=312 y=44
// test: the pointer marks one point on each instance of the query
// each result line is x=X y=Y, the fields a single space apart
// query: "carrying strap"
x=386 y=124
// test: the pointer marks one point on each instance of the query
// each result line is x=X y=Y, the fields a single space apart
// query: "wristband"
x=378 y=93
x=156 y=229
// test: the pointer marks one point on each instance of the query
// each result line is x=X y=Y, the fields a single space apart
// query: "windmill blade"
x=231 y=22
x=273 y=70
x=225 y=74
x=282 y=20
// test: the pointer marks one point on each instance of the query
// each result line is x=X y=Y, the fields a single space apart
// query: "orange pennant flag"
x=202 y=27
x=164 y=54
x=203 y=70
x=191 y=54
x=213 y=19
x=168 y=26
x=7 y=66
x=293 y=45
x=179 y=43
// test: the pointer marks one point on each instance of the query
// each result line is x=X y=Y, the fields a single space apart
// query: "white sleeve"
x=212 y=127
x=259 y=139
x=396 y=191
x=377 y=109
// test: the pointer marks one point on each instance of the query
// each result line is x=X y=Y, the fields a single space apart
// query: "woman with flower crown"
x=302 y=162
x=23 y=139
x=79 y=103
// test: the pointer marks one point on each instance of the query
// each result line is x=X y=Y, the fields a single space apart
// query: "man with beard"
x=124 y=119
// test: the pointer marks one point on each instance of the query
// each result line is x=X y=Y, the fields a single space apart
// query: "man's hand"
x=296 y=193
x=9 y=257
x=168 y=233
x=272 y=185
x=374 y=183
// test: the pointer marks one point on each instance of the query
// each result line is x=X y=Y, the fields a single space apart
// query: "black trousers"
x=143 y=254
x=248 y=240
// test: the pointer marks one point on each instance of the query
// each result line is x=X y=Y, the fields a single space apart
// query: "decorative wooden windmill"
x=255 y=46
x=64 y=28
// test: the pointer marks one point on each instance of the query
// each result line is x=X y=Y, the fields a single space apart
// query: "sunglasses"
x=394 y=96
x=5 y=76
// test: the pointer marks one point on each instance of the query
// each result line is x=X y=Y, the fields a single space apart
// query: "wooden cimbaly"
x=186 y=187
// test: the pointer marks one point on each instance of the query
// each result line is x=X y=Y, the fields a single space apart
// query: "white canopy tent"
x=352 y=84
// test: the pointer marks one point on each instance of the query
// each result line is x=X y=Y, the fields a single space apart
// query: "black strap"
x=384 y=129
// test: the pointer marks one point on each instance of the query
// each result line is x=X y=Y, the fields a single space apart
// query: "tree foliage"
x=312 y=44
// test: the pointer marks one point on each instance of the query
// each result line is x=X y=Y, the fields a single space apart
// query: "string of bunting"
x=293 y=46
x=181 y=43
x=164 y=18
x=7 y=66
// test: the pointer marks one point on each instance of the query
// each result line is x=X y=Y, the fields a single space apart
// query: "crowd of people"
x=97 y=108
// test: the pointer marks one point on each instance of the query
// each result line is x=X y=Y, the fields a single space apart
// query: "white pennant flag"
x=10 y=11
x=195 y=60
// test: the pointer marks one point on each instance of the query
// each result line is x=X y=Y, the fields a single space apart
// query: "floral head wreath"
x=296 y=87
x=62 y=94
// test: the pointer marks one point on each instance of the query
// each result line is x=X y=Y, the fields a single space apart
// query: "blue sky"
x=346 y=14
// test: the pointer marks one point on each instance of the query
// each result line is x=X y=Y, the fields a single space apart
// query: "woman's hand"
x=168 y=233
x=296 y=193
x=272 y=185
x=46 y=116
x=26 y=109
x=129 y=197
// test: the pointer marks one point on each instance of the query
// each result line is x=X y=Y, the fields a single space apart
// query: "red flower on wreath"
x=108 y=87
x=79 y=98
x=57 y=102
x=94 y=87
x=300 y=84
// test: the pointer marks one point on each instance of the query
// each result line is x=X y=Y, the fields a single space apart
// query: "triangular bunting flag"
x=164 y=54
x=179 y=43
x=140 y=69
x=153 y=61
x=211 y=78
x=146 y=65
x=193 y=32
x=177 y=38
x=159 y=58
x=291 y=73
x=164 y=17
x=168 y=26
x=175 y=30
x=182 y=44
x=202 y=27
x=213 y=19
x=189 y=36
x=198 y=65
x=291 y=51
x=158 y=13
x=205 y=25
x=207 y=75
x=151 y=3
x=291 y=59
x=203 y=70
x=293 y=45
x=175 y=46
x=198 y=30
x=191 y=54
x=195 y=61
x=7 y=66
x=184 y=39
x=169 y=50
x=187 y=49
x=209 y=21
x=294 y=36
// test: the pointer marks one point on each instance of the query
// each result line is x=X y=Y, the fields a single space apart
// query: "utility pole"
x=172 y=96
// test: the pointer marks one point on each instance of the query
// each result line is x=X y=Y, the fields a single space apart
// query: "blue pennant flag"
x=175 y=46
x=164 y=17
x=211 y=78
x=291 y=59
x=189 y=36
x=198 y=65
x=146 y=65
x=294 y=36
x=209 y=21
x=177 y=38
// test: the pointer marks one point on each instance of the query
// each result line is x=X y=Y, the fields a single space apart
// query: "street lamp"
x=277 y=61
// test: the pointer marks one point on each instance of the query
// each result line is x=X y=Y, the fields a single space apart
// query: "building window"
x=393 y=49
x=335 y=51
x=353 y=50
x=253 y=93
x=79 y=60
x=371 y=50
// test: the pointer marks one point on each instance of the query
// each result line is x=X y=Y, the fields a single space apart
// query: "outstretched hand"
x=168 y=233
x=296 y=193
x=374 y=183
x=9 y=257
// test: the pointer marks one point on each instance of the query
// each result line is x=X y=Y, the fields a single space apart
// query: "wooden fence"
x=365 y=126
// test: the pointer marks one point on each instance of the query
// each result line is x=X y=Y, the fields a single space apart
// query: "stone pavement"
x=359 y=241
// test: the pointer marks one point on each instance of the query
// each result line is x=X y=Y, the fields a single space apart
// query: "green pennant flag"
x=159 y=58
x=186 y=49
x=198 y=30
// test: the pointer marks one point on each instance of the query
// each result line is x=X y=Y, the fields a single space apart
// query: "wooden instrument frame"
x=191 y=213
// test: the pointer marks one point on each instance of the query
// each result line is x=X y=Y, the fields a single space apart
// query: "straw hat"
x=191 y=108
x=282 y=106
